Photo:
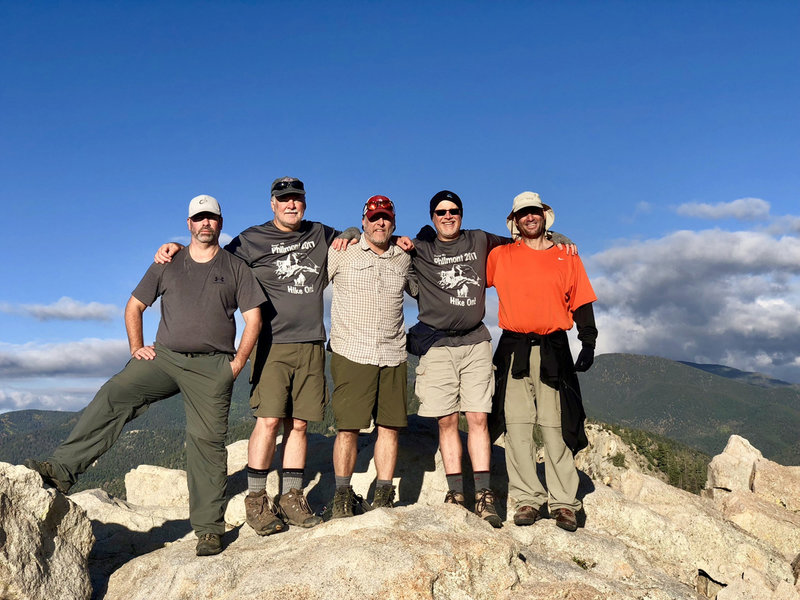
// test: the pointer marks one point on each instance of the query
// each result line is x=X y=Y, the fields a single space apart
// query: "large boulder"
x=734 y=468
x=685 y=535
x=408 y=552
x=45 y=540
x=607 y=457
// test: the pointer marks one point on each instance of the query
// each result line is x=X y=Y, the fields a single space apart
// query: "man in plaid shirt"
x=369 y=351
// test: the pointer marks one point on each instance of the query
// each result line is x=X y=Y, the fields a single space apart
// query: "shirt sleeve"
x=238 y=247
x=149 y=287
x=333 y=262
x=249 y=294
x=493 y=241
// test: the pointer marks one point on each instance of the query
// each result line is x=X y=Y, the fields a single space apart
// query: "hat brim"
x=289 y=192
x=379 y=211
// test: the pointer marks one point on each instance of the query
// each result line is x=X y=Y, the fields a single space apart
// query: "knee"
x=477 y=421
x=299 y=426
x=267 y=426
x=448 y=423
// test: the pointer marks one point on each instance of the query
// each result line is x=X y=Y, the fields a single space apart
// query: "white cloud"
x=709 y=296
x=84 y=358
x=66 y=398
x=743 y=209
x=65 y=309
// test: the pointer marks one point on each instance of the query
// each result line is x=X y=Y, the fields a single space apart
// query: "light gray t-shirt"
x=291 y=267
x=452 y=282
x=198 y=300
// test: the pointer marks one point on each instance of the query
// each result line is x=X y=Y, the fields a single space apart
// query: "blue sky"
x=665 y=135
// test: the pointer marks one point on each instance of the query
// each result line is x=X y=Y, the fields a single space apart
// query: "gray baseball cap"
x=283 y=186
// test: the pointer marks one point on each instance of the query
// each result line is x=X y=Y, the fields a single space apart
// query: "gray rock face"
x=408 y=552
x=642 y=538
x=45 y=540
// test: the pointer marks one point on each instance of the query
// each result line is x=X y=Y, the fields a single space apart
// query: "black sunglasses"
x=443 y=211
x=282 y=185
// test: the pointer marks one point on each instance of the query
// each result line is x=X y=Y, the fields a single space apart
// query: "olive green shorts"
x=291 y=382
x=364 y=392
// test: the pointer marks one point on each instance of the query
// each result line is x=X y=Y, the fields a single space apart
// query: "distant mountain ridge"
x=750 y=377
x=698 y=405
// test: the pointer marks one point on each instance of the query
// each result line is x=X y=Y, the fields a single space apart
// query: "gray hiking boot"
x=296 y=511
x=208 y=544
x=45 y=469
x=262 y=515
x=454 y=497
x=484 y=507
x=384 y=497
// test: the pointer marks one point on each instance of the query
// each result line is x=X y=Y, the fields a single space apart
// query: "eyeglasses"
x=377 y=202
x=440 y=212
x=288 y=197
x=282 y=185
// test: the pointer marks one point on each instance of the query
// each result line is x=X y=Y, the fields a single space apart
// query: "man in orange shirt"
x=542 y=291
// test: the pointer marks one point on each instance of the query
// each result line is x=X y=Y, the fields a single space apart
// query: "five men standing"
x=542 y=289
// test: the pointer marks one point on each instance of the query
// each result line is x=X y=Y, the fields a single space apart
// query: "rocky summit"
x=642 y=538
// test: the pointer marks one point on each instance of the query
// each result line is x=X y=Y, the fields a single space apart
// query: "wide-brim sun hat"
x=526 y=200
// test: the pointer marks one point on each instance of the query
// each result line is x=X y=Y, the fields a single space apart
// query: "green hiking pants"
x=206 y=382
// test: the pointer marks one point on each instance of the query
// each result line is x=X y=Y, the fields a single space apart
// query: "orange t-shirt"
x=538 y=289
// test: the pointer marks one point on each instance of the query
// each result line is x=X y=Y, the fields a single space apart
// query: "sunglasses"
x=282 y=185
x=377 y=202
x=440 y=212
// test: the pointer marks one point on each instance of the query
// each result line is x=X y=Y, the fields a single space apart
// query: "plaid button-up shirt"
x=367 y=324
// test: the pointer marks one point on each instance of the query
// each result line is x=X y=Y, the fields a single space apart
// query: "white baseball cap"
x=204 y=203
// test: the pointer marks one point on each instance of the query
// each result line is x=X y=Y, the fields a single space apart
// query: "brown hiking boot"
x=45 y=469
x=526 y=515
x=384 y=497
x=565 y=518
x=344 y=499
x=454 y=497
x=296 y=511
x=208 y=544
x=262 y=515
x=484 y=507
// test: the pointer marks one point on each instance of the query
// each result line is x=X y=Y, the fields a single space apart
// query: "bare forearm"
x=252 y=328
x=133 y=325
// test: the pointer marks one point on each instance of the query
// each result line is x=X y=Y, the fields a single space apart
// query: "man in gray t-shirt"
x=455 y=372
x=194 y=354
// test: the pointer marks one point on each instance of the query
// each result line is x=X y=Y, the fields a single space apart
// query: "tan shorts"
x=364 y=392
x=454 y=379
x=291 y=382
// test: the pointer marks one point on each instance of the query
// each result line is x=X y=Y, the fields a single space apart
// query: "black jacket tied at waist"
x=557 y=370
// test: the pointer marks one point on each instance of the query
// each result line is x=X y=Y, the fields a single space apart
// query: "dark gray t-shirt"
x=198 y=300
x=452 y=282
x=292 y=268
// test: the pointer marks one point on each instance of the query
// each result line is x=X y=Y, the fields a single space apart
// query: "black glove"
x=585 y=360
